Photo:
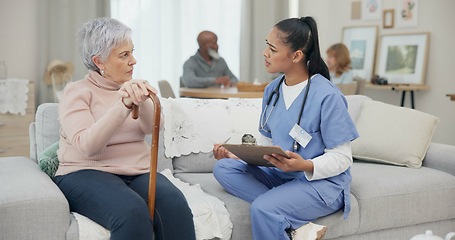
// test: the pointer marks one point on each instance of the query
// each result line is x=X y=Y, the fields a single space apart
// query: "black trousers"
x=119 y=203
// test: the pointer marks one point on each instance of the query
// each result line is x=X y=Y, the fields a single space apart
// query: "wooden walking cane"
x=153 y=149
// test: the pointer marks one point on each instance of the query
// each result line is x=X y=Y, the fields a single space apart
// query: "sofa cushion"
x=163 y=161
x=338 y=226
x=391 y=196
x=194 y=163
x=239 y=209
x=394 y=135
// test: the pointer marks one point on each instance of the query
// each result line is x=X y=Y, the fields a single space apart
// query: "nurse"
x=306 y=115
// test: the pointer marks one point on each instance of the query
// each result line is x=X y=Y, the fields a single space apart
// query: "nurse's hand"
x=292 y=164
x=220 y=152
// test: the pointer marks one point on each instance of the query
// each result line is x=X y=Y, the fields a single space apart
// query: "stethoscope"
x=276 y=92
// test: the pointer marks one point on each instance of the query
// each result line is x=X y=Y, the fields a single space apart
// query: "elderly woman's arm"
x=90 y=137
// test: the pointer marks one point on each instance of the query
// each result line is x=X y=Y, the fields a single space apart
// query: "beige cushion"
x=392 y=134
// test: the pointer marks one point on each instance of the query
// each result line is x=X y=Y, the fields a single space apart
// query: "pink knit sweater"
x=98 y=132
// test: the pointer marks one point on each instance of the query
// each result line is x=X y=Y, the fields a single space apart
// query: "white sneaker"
x=309 y=231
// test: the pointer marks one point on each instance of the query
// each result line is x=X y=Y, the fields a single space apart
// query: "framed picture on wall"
x=371 y=9
x=361 y=42
x=407 y=13
x=402 y=58
x=388 y=18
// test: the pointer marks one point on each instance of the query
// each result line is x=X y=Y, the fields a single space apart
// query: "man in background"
x=206 y=68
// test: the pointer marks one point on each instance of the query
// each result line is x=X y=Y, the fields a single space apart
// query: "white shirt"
x=334 y=160
x=290 y=93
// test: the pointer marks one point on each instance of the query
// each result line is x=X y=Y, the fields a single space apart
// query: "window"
x=165 y=31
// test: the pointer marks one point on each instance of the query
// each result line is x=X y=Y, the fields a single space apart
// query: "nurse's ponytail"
x=302 y=34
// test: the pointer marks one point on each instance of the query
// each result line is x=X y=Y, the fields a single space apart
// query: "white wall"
x=259 y=16
x=437 y=18
x=19 y=38
x=34 y=32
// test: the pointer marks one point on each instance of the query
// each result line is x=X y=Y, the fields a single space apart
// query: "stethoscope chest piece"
x=295 y=146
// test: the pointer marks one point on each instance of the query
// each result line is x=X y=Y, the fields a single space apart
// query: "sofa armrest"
x=440 y=156
x=31 y=205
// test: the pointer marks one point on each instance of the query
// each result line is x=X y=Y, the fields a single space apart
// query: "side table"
x=401 y=87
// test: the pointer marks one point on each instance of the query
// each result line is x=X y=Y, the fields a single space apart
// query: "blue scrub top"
x=325 y=118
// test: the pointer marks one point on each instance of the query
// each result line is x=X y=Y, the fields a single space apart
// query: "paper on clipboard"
x=254 y=154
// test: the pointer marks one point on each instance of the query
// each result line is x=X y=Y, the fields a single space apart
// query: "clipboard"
x=254 y=154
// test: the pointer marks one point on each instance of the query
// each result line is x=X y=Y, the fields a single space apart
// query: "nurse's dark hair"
x=302 y=34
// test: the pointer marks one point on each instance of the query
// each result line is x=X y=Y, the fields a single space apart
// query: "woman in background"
x=339 y=64
x=306 y=115
x=104 y=160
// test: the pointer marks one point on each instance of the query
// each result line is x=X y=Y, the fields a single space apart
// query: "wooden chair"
x=166 y=89
x=360 y=85
x=348 y=89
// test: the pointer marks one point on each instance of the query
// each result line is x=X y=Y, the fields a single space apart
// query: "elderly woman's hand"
x=135 y=91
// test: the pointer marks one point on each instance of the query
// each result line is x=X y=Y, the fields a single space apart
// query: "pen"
x=227 y=140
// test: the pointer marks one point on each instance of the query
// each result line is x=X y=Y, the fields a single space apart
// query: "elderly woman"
x=104 y=160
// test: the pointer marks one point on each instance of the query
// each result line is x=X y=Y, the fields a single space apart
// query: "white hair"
x=98 y=37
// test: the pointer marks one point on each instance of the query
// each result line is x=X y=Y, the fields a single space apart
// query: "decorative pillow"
x=392 y=134
x=355 y=103
x=194 y=125
x=48 y=160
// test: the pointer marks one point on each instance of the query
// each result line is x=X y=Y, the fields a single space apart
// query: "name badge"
x=300 y=135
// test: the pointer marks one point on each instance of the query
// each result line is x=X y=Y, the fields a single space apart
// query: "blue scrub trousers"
x=119 y=203
x=277 y=204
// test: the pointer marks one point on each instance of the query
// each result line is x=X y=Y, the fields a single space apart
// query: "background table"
x=400 y=87
x=218 y=92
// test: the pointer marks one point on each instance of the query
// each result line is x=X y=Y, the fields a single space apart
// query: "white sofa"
x=388 y=202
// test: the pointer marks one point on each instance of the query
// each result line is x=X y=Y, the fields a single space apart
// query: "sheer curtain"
x=58 y=22
x=165 y=31
x=258 y=17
